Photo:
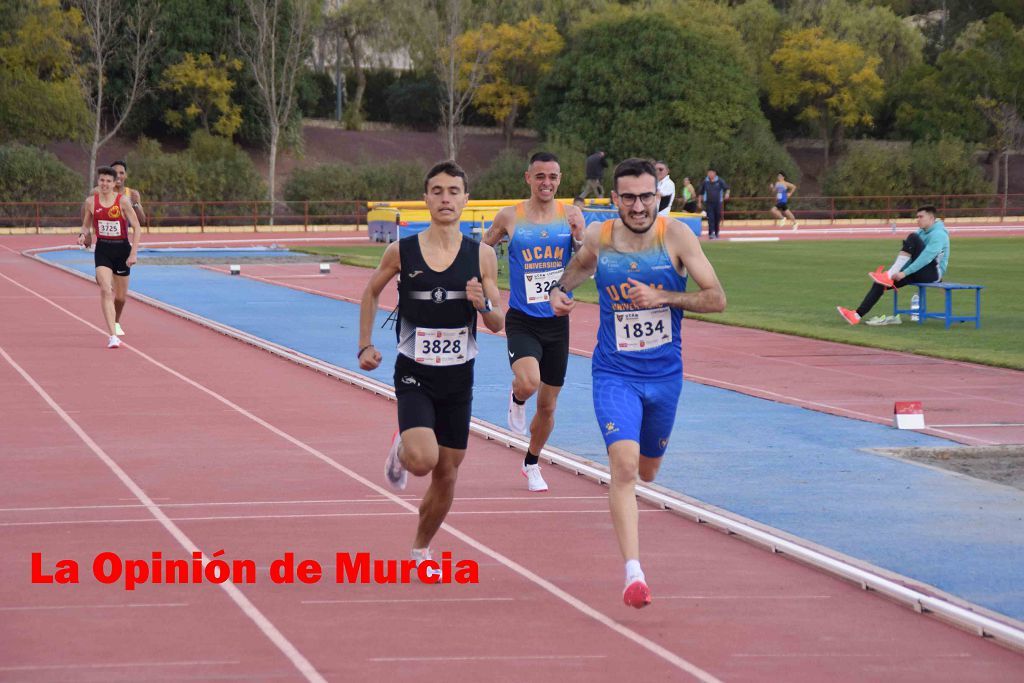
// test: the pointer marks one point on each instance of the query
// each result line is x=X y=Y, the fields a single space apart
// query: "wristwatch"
x=487 y=307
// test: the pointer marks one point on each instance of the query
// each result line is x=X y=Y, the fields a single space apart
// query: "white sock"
x=633 y=571
x=898 y=264
x=420 y=554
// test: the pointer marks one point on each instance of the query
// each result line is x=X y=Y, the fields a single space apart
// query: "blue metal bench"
x=947 y=314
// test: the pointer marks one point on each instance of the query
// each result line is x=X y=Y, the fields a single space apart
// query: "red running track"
x=185 y=438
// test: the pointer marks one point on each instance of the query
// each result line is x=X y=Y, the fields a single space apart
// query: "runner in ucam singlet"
x=447 y=280
x=641 y=263
x=541 y=232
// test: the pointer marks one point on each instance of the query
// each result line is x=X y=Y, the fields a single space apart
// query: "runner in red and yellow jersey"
x=107 y=214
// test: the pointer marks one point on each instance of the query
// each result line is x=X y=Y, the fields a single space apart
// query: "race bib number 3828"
x=642 y=330
x=441 y=346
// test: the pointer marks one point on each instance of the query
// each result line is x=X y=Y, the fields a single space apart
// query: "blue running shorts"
x=641 y=411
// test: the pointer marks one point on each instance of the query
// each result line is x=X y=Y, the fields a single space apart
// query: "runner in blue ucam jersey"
x=641 y=262
x=783 y=190
x=541 y=232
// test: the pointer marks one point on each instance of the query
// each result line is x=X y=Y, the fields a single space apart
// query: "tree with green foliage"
x=114 y=34
x=275 y=40
x=30 y=174
x=833 y=84
x=758 y=23
x=205 y=85
x=647 y=84
x=39 y=78
x=982 y=73
x=879 y=169
x=519 y=55
x=360 y=28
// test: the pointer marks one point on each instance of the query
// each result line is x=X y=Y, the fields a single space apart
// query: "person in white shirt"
x=666 y=188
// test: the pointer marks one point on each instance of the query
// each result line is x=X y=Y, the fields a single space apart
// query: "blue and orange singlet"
x=633 y=342
x=537 y=255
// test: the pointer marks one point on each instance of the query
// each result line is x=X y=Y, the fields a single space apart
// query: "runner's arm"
x=577 y=223
x=494 y=318
x=684 y=248
x=137 y=205
x=582 y=265
x=499 y=227
x=390 y=265
x=85 y=235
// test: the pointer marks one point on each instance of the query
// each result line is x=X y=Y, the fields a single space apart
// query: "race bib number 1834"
x=642 y=330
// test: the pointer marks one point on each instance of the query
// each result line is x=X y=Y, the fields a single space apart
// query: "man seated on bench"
x=923 y=258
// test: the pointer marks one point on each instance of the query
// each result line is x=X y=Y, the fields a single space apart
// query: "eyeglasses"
x=629 y=199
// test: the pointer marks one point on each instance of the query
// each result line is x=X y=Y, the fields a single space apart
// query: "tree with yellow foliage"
x=205 y=85
x=834 y=84
x=519 y=55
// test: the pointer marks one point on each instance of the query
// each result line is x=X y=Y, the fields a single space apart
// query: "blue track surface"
x=794 y=469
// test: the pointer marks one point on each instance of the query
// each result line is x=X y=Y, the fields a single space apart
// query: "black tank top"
x=436 y=322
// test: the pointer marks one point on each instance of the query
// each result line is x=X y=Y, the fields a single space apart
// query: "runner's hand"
x=132 y=259
x=561 y=303
x=643 y=295
x=475 y=294
x=369 y=359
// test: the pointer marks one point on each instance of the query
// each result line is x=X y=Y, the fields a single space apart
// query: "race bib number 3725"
x=441 y=346
x=642 y=330
x=109 y=228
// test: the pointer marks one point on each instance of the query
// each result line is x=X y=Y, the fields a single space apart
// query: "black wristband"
x=559 y=285
x=360 y=354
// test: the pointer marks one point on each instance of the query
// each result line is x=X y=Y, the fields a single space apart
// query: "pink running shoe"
x=881 y=276
x=637 y=594
x=848 y=315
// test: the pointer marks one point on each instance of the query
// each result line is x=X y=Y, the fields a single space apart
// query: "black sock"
x=531 y=459
x=517 y=401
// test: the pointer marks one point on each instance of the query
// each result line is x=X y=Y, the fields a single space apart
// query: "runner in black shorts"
x=446 y=281
x=107 y=214
x=545 y=339
x=541 y=231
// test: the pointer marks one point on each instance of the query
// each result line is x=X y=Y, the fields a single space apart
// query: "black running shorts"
x=546 y=339
x=440 y=399
x=114 y=254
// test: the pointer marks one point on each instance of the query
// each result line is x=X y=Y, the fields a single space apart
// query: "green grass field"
x=794 y=287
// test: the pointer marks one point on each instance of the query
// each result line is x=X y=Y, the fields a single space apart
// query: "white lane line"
x=530 y=499
x=745 y=597
x=117 y=665
x=130 y=605
x=983 y=424
x=484 y=658
x=383 y=601
x=837 y=655
x=233 y=518
x=574 y=602
x=250 y=610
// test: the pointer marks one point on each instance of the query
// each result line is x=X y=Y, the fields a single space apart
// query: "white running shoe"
x=117 y=329
x=113 y=342
x=782 y=222
x=396 y=475
x=421 y=555
x=534 y=481
x=517 y=416
x=884 y=320
x=794 y=225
